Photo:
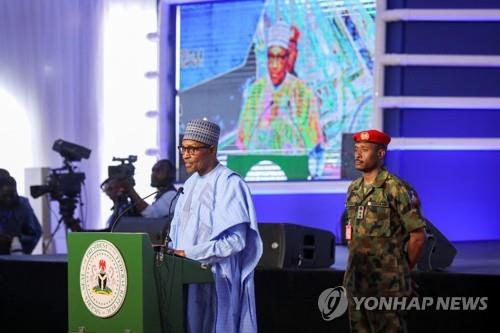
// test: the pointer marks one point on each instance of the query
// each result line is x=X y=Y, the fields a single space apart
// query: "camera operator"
x=115 y=189
x=162 y=178
x=17 y=218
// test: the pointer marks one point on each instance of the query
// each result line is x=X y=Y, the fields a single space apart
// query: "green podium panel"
x=295 y=167
x=118 y=283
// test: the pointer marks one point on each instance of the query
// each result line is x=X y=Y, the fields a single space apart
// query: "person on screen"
x=280 y=112
x=215 y=223
x=17 y=219
x=385 y=233
x=162 y=178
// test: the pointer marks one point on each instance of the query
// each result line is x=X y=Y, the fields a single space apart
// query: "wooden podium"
x=118 y=283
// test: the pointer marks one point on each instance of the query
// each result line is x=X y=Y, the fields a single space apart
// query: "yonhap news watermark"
x=333 y=303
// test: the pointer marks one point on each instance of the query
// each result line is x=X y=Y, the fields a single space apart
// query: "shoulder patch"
x=413 y=197
x=407 y=190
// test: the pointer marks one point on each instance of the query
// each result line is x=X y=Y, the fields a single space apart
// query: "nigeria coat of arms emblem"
x=103 y=279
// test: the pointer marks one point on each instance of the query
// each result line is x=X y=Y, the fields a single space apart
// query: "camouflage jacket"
x=381 y=220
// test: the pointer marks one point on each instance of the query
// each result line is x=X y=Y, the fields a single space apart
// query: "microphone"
x=115 y=222
x=166 y=229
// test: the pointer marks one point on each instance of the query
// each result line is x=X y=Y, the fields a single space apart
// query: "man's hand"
x=415 y=246
x=137 y=201
x=180 y=253
x=126 y=184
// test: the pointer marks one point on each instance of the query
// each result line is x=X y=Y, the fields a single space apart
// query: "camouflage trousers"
x=375 y=321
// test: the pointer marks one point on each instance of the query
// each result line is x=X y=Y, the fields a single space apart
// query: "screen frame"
x=169 y=115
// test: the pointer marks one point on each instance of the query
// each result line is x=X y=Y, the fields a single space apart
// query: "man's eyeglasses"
x=191 y=150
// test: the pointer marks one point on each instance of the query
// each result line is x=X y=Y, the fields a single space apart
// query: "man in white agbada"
x=215 y=223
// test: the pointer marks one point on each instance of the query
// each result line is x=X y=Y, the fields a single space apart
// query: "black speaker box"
x=293 y=246
x=438 y=252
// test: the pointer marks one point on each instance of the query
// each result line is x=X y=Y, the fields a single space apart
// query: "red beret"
x=372 y=136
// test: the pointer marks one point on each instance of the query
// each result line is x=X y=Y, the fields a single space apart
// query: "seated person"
x=17 y=218
x=162 y=178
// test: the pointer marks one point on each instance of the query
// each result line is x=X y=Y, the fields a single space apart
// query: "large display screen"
x=283 y=79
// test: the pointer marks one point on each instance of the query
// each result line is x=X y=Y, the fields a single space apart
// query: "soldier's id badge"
x=360 y=213
x=348 y=231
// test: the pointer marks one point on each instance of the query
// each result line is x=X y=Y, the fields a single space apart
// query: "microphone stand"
x=166 y=230
x=115 y=222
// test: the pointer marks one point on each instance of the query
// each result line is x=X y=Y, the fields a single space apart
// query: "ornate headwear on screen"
x=279 y=35
x=202 y=130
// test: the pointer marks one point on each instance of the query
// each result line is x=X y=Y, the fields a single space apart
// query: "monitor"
x=283 y=79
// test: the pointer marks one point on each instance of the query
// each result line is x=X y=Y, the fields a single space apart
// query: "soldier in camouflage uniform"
x=383 y=219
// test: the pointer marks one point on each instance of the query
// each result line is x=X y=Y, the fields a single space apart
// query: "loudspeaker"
x=347 y=170
x=293 y=246
x=438 y=252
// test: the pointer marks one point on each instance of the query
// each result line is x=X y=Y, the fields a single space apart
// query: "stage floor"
x=34 y=294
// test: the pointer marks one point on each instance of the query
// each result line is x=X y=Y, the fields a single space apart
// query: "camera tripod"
x=67 y=206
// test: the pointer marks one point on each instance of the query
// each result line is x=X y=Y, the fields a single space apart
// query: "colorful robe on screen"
x=215 y=223
x=285 y=117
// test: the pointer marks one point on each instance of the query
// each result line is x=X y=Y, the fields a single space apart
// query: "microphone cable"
x=166 y=230
x=115 y=222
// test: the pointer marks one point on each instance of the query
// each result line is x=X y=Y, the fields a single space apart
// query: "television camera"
x=125 y=170
x=64 y=184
